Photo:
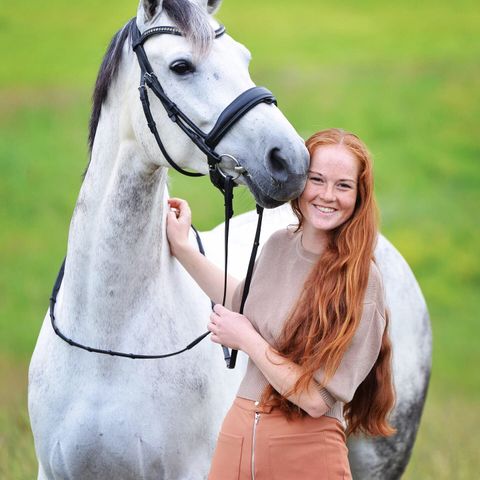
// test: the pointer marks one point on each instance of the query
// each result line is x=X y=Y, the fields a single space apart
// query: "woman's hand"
x=207 y=275
x=179 y=221
x=231 y=329
x=235 y=331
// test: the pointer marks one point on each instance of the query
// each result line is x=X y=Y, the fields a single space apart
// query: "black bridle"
x=206 y=142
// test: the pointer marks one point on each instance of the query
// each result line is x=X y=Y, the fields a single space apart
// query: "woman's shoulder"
x=281 y=237
x=280 y=244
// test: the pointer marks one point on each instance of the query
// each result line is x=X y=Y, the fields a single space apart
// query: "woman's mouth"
x=326 y=210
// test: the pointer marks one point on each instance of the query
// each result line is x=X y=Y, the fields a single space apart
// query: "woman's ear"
x=213 y=6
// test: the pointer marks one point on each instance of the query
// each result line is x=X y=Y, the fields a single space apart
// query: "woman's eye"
x=182 y=67
x=345 y=186
x=316 y=179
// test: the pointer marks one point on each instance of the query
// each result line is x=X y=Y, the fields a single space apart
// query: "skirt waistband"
x=254 y=406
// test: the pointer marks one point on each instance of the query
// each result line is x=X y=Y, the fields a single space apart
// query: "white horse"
x=101 y=417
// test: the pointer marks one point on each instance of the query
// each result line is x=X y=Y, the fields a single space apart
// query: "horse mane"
x=106 y=75
x=191 y=20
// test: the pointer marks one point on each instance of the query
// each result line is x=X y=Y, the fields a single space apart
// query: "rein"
x=206 y=142
x=113 y=353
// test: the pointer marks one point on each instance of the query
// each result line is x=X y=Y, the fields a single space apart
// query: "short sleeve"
x=359 y=357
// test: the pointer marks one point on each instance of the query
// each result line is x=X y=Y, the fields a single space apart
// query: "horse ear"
x=147 y=11
x=213 y=6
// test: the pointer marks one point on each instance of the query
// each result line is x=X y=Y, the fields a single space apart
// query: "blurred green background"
x=402 y=75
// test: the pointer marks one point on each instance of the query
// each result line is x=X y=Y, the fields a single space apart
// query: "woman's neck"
x=313 y=240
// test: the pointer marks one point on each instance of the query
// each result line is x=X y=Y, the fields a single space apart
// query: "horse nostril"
x=276 y=165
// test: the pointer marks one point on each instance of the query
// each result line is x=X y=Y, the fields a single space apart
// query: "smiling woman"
x=340 y=180
x=317 y=338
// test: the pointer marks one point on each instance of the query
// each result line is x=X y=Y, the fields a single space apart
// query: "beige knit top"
x=280 y=273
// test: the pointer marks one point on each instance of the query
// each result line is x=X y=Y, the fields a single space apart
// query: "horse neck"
x=117 y=234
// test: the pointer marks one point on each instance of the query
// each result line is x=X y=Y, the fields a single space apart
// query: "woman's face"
x=331 y=189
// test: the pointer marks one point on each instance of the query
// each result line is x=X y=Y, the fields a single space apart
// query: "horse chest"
x=101 y=417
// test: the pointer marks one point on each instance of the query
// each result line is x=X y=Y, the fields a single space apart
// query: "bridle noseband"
x=206 y=142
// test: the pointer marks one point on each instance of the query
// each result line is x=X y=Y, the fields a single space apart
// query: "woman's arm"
x=209 y=277
x=235 y=331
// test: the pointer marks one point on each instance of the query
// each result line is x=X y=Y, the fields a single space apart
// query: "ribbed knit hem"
x=327 y=397
x=337 y=412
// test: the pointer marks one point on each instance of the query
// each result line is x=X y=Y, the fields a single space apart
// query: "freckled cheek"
x=349 y=205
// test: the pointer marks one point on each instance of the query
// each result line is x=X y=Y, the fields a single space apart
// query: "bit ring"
x=239 y=169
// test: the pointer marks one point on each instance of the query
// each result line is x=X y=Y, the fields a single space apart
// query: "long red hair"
x=318 y=332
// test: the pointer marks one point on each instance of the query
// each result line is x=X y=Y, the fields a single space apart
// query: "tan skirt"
x=259 y=443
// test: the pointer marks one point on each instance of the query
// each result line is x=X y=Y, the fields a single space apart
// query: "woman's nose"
x=328 y=193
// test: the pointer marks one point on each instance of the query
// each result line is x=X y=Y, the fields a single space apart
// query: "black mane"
x=108 y=71
x=189 y=18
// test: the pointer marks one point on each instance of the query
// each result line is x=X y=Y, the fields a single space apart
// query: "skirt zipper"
x=255 y=422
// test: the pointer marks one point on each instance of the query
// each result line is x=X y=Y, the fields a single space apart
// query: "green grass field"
x=404 y=76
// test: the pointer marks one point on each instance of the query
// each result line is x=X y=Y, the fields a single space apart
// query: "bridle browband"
x=206 y=143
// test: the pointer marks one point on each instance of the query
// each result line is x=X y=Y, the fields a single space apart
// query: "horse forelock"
x=193 y=22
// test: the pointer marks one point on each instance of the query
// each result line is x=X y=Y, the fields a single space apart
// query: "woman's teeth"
x=324 y=209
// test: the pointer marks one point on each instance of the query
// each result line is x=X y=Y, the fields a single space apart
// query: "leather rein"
x=206 y=142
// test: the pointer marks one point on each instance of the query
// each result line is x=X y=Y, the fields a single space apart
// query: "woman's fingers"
x=179 y=214
x=212 y=327
x=179 y=205
x=219 y=309
x=212 y=324
x=178 y=224
x=174 y=211
x=172 y=220
x=175 y=202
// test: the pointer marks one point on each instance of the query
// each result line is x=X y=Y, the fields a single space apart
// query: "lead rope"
x=113 y=353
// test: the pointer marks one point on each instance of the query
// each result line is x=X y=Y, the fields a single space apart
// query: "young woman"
x=314 y=327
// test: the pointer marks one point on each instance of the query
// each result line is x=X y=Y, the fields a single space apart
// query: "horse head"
x=202 y=74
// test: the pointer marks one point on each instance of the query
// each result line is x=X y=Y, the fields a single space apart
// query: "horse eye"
x=182 y=67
